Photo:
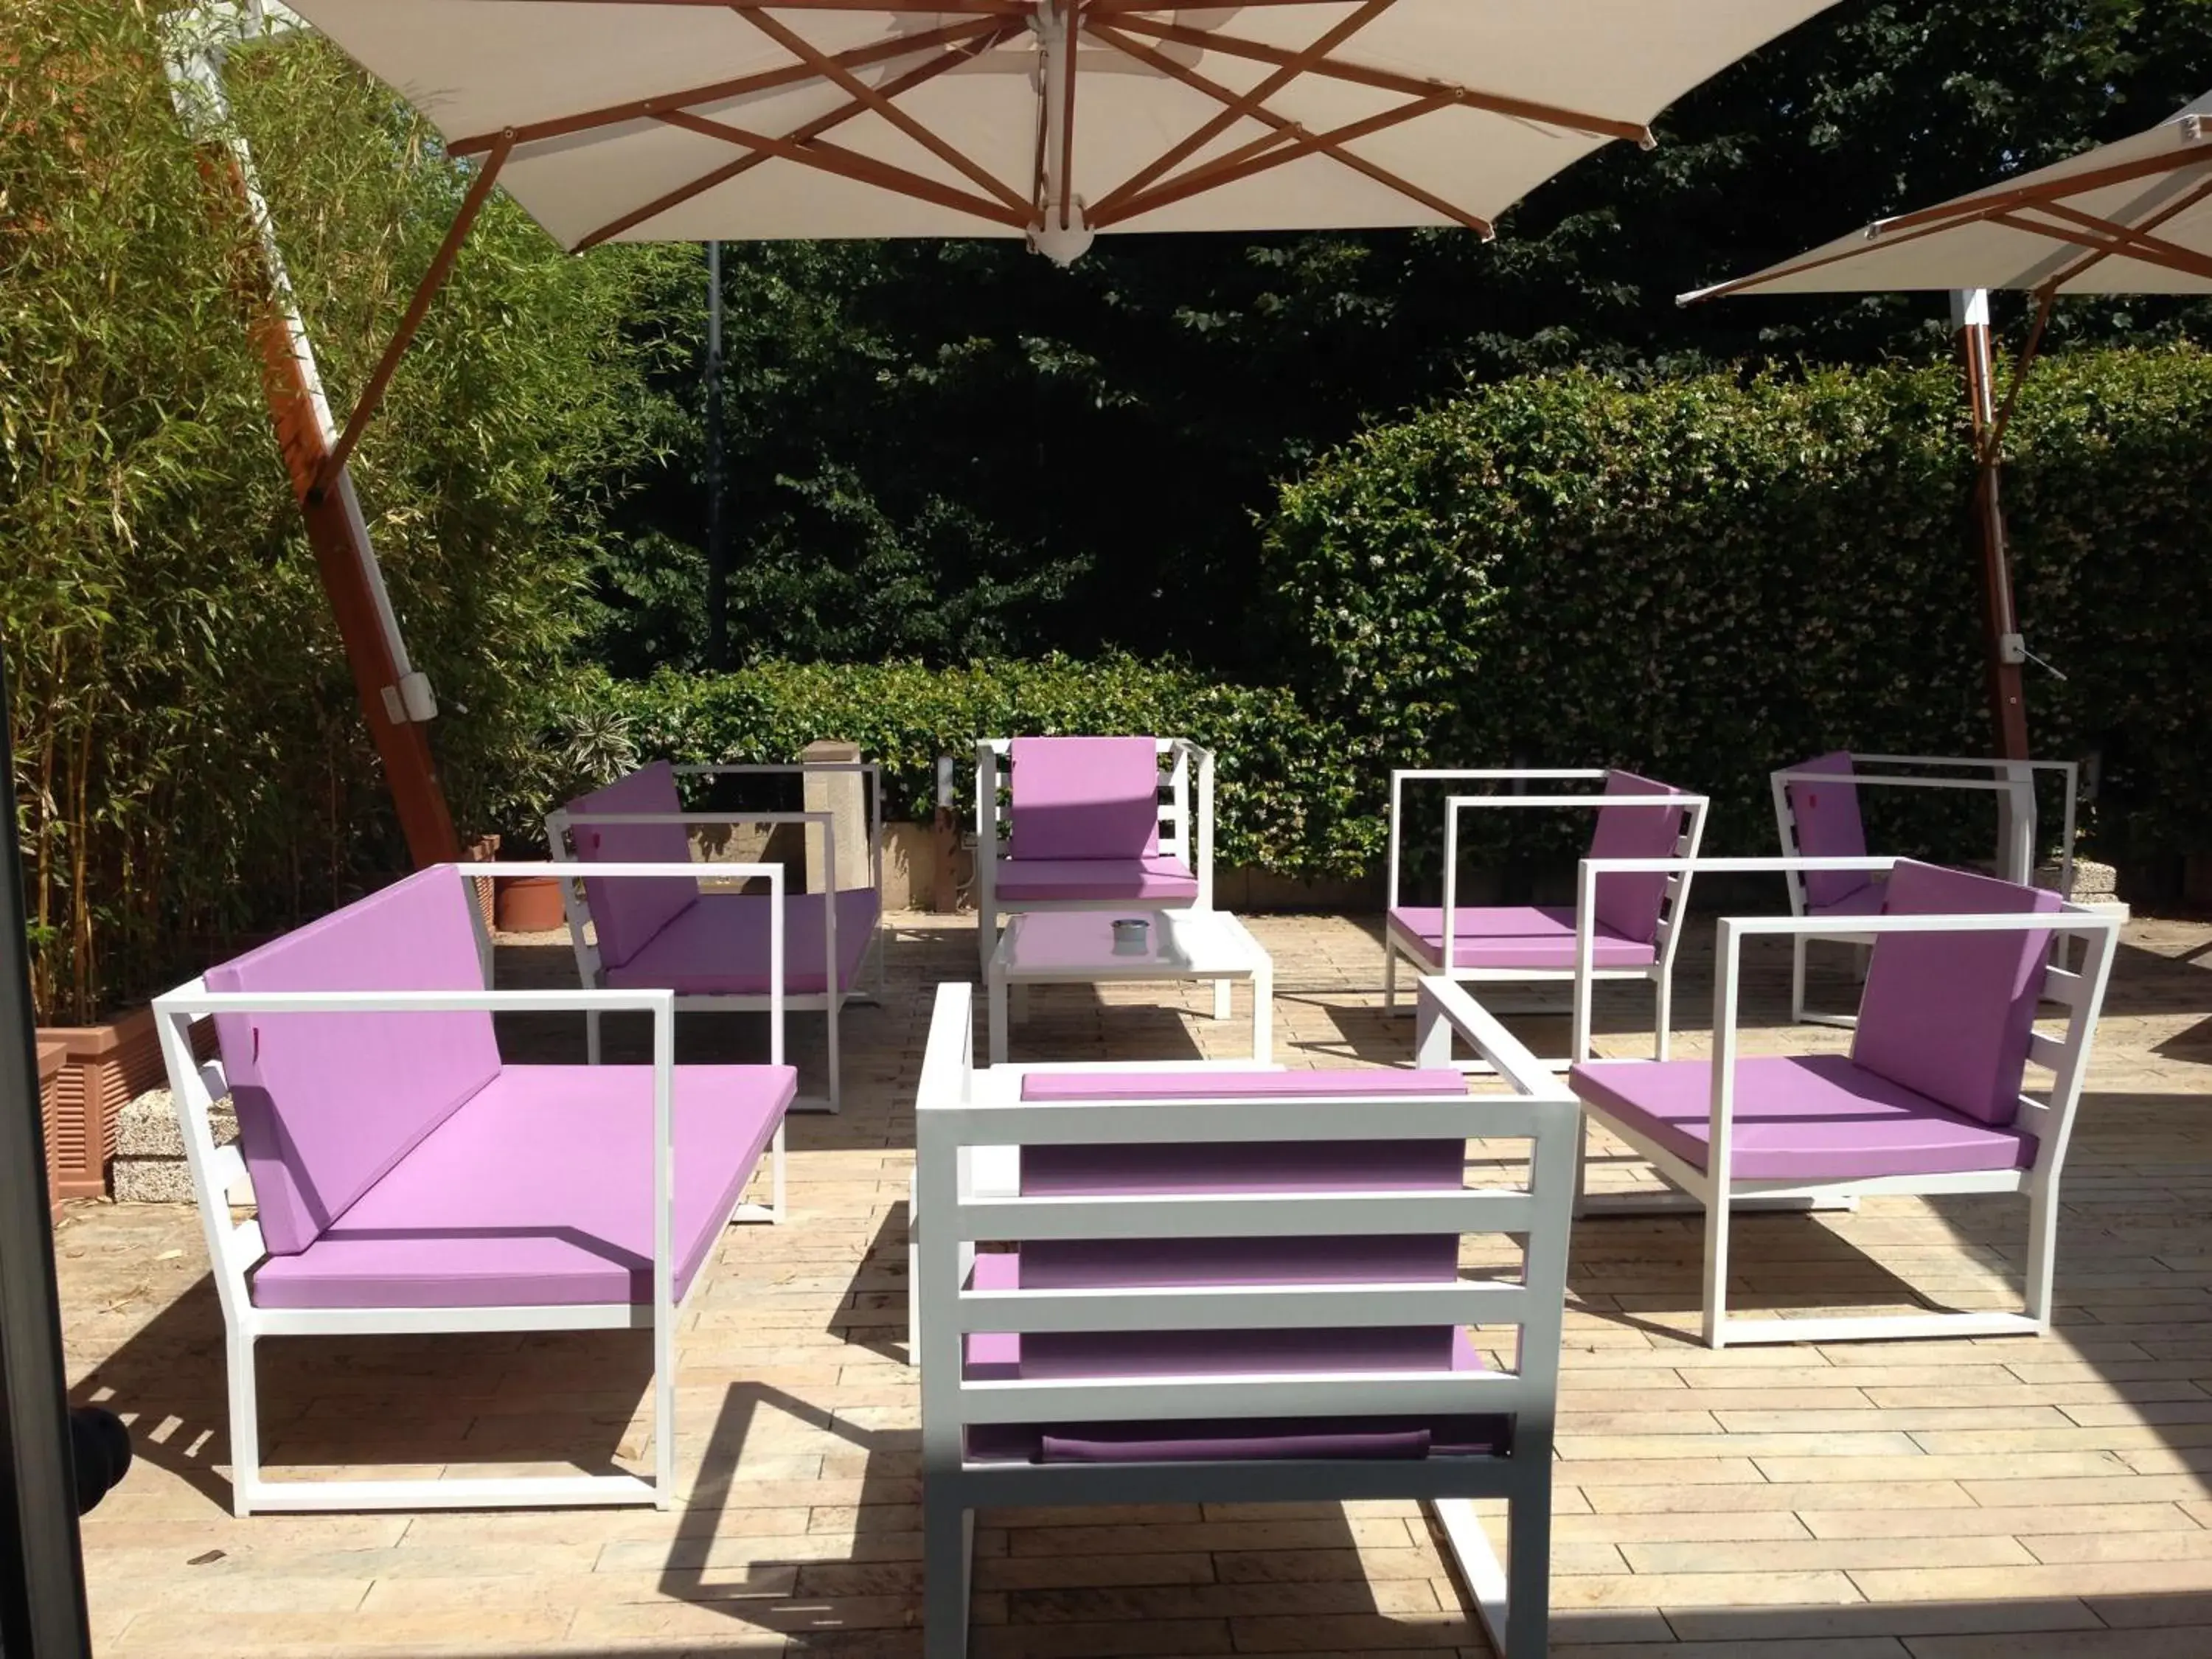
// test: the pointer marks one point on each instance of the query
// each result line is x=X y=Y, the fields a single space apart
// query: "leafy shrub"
x=190 y=758
x=1715 y=576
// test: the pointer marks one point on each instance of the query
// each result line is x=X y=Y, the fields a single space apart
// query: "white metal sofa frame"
x=1673 y=908
x=234 y=1249
x=960 y=1110
x=1177 y=836
x=2080 y=994
x=2012 y=782
x=831 y=1000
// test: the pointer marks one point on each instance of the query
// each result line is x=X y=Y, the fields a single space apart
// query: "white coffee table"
x=1077 y=947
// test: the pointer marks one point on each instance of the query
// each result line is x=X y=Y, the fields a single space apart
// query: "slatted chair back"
x=1244 y=1281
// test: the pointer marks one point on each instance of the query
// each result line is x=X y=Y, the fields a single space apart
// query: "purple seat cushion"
x=1950 y=1014
x=626 y=913
x=327 y=1103
x=1801 y=1117
x=1539 y=938
x=1158 y=877
x=1061 y=1356
x=1077 y=1171
x=539 y=1193
x=1236 y=1086
x=1627 y=905
x=1867 y=901
x=1829 y=827
x=718 y=946
x=1086 y=797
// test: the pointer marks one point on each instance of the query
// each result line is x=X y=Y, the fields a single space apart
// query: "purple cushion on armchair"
x=1950 y=1015
x=1086 y=797
x=1829 y=827
x=328 y=1103
x=626 y=913
x=1628 y=905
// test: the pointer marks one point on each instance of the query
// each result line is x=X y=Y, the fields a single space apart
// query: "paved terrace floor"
x=2002 y=1499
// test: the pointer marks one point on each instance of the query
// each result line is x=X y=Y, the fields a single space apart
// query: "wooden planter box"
x=98 y=1070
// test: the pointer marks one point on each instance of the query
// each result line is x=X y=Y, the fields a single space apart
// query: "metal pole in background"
x=42 y=1611
x=718 y=544
x=1970 y=319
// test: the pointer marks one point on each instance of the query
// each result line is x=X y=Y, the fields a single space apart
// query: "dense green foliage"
x=938 y=450
x=189 y=757
x=1710 y=577
x=1285 y=794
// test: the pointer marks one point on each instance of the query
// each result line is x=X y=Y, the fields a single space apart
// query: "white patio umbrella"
x=2130 y=218
x=690 y=120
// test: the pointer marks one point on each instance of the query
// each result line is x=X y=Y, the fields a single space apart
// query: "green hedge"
x=1283 y=792
x=1711 y=577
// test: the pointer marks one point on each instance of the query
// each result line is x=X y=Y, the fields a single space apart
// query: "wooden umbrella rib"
x=2179 y=206
x=2137 y=241
x=809 y=129
x=784 y=75
x=1300 y=143
x=1985 y=204
x=1260 y=153
x=1239 y=106
x=851 y=84
x=2086 y=231
x=1414 y=86
x=851 y=164
x=418 y=308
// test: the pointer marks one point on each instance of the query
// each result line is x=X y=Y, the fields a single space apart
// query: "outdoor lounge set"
x=1142 y=1282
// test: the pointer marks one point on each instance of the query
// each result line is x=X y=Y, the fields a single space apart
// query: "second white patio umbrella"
x=2134 y=216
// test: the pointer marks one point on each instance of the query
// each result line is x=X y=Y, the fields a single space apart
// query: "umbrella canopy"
x=2131 y=217
x=690 y=120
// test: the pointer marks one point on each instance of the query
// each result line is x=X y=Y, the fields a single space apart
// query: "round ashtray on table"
x=1132 y=936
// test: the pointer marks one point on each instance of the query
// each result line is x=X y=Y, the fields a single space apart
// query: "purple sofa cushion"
x=327 y=1103
x=539 y=1193
x=1829 y=827
x=1086 y=797
x=1540 y=938
x=626 y=914
x=1628 y=905
x=1803 y=1117
x=1950 y=1014
x=718 y=945
x=1161 y=878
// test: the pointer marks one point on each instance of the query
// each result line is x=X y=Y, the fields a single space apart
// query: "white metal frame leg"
x=245 y=1424
x=948 y=1557
x=1263 y=1012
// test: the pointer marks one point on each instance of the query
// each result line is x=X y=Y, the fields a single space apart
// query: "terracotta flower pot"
x=97 y=1071
x=528 y=904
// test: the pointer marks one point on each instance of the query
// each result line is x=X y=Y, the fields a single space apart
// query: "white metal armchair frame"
x=962 y=1113
x=2012 y=782
x=1673 y=907
x=560 y=827
x=2050 y=1123
x=236 y=1248
x=1185 y=834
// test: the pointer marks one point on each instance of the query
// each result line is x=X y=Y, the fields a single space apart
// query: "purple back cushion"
x=1629 y=904
x=327 y=1103
x=1949 y=1014
x=1086 y=797
x=626 y=913
x=1829 y=827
